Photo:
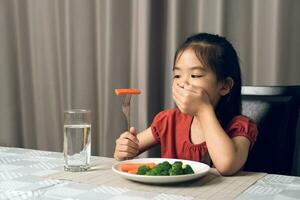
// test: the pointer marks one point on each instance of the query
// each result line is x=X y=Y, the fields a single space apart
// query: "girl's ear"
x=225 y=86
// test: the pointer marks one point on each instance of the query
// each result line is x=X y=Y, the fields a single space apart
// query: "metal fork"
x=126 y=109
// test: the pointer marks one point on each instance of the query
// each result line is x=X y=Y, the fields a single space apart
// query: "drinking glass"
x=77 y=139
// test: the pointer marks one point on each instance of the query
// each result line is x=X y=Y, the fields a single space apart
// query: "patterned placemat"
x=211 y=186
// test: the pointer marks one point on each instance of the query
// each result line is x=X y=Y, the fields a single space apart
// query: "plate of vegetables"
x=160 y=170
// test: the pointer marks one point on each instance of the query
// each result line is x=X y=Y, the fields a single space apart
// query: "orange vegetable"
x=133 y=167
x=120 y=92
x=133 y=171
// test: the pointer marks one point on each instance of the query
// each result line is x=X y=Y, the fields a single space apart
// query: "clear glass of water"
x=77 y=140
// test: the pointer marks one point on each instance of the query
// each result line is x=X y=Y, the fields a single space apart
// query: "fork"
x=126 y=101
x=126 y=108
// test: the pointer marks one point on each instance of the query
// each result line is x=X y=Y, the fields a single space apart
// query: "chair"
x=275 y=110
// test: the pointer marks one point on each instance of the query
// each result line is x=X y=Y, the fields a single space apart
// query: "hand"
x=190 y=99
x=127 y=145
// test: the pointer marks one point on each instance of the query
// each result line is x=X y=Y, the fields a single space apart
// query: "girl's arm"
x=146 y=140
x=228 y=155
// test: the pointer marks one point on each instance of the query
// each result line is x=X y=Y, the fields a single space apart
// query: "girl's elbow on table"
x=228 y=167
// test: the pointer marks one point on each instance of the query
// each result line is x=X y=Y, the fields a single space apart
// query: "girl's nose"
x=183 y=83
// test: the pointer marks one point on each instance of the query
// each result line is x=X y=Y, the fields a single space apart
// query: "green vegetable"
x=152 y=172
x=176 y=169
x=187 y=169
x=163 y=168
x=142 y=170
x=166 y=169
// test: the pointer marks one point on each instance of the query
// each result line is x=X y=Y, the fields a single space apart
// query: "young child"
x=207 y=124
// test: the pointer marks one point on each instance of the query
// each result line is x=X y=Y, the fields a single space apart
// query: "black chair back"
x=275 y=110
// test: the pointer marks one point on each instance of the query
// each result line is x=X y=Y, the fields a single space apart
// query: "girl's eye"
x=176 y=76
x=197 y=76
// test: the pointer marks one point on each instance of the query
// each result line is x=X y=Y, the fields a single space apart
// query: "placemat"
x=211 y=186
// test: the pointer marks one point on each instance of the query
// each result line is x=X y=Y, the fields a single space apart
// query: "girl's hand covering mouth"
x=190 y=99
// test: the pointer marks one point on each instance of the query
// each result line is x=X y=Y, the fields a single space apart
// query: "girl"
x=207 y=124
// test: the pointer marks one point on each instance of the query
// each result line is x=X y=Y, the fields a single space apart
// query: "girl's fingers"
x=188 y=89
x=180 y=92
x=130 y=136
x=125 y=152
x=127 y=142
x=178 y=102
x=125 y=148
x=132 y=130
x=177 y=88
x=175 y=91
x=177 y=97
x=191 y=88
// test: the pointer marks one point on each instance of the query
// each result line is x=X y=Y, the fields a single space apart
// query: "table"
x=33 y=174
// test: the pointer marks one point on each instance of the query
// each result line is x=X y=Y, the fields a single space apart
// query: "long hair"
x=218 y=53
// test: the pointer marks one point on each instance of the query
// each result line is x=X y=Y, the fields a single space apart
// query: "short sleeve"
x=243 y=126
x=159 y=124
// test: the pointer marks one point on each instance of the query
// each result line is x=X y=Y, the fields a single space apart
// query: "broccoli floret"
x=176 y=169
x=152 y=172
x=177 y=163
x=163 y=168
x=187 y=169
x=142 y=170
x=166 y=164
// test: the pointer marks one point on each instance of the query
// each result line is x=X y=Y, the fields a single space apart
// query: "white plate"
x=199 y=168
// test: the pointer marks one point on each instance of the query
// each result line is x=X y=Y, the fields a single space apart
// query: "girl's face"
x=188 y=70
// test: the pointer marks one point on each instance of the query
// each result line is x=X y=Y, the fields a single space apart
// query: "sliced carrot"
x=126 y=167
x=133 y=171
x=125 y=91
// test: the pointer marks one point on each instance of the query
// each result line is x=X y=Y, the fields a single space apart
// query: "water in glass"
x=77 y=147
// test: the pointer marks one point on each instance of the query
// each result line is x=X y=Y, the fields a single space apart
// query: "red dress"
x=171 y=128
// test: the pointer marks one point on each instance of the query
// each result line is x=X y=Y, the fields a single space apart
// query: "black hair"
x=217 y=53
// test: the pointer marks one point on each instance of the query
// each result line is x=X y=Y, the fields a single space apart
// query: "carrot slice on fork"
x=126 y=91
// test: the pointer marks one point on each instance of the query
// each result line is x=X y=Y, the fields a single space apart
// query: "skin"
x=196 y=91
